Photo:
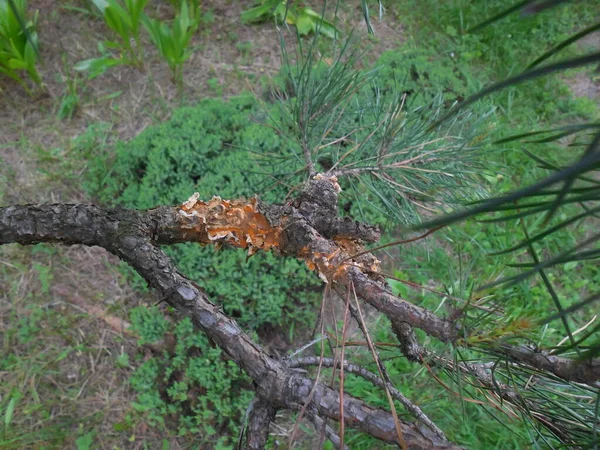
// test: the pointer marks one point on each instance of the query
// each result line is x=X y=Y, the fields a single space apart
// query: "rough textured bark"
x=132 y=236
x=375 y=380
x=567 y=369
x=259 y=419
x=308 y=228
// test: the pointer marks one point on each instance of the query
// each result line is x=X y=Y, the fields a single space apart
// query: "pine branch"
x=305 y=229
x=261 y=414
x=375 y=380
x=134 y=236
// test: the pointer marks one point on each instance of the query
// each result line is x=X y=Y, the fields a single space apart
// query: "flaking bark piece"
x=238 y=223
x=318 y=203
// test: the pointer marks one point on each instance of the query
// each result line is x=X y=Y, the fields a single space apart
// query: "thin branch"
x=310 y=165
x=342 y=358
x=357 y=314
x=375 y=380
x=587 y=372
x=320 y=424
x=261 y=414
x=132 y=235
x=308 y=402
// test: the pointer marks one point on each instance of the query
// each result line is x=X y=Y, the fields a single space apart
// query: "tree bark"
x=260 y=417
x=134 y=236
x=309 y=229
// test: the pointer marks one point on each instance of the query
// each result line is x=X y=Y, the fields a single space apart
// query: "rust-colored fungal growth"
x=240 y=224
x=335 y=262
x=234 y=222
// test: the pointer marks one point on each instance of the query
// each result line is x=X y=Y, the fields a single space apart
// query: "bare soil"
x=587 y=83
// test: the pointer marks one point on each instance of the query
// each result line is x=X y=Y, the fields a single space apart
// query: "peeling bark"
x=133 y=236
x=309 y=229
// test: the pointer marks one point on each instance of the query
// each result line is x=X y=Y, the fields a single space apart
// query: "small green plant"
x=204 y=149
x=122 y=361
x=125 y=21
x=173 y=42
x=18 y=43
x=189 y=384
x=305 y=19
x=71 y=97
x=216 y=87
x=85 y=440
x=177 y=3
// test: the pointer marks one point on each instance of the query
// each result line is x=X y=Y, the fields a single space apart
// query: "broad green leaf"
x=97 y=66
x=9 y=412
x=17 y=64
x=327 y=29
x=304 y=23
x=115 y=20
x=16 y=51
x=101 y=5
x=255 y=14
x=261 y=12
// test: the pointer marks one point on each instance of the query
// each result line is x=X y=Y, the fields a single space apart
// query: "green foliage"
x=191 y=385
x=283 y=11
x=374 y=130
x=40 y=345
x=204 y=149
x=85 y=441
x=70 y=100
x=125 y=21
x=533 y=210
x=503 y=49
x=523 y=314
x=173 y=42
x=423 y=74
x=18 y=42
x=149 y=324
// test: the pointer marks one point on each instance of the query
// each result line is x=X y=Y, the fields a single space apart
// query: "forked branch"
x=309 y=229
x=134 y=236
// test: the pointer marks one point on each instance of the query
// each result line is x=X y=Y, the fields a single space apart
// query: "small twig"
x=310 y=396
x=357 y=314
x=575 y=333
x=405 y=241
x=390 y=155
x=344 y=330
x=366 y=139
x=310 y=165
x=331 y=434
x=357 y=370
x=304 y=347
